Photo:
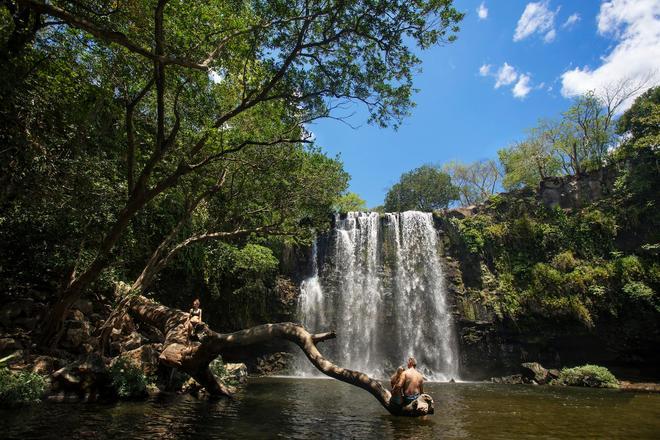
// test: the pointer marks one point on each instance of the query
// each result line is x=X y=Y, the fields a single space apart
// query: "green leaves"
x=588 y=376
x=426 y=188
x=20 y=387
x=349 y=202
x=577 y=142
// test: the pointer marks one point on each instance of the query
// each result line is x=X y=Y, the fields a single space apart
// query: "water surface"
x=322 y=408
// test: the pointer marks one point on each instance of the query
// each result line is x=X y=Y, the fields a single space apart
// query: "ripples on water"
x=303 y=409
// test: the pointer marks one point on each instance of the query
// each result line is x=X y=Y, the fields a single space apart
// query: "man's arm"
x=402 y=381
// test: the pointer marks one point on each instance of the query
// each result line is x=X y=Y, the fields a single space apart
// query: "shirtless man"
x=411 y=382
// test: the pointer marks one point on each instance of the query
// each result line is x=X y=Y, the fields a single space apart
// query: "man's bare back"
x=411 y=381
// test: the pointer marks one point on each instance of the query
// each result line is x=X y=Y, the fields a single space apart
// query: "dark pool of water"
x=320 y=408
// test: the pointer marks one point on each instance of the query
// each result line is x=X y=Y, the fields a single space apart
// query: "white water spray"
x=381 y=287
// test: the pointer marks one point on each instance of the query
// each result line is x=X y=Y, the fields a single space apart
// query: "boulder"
x=191 y=386
x=131 y=342
x=144 y=357
x=77 y=333
x=238 y=372
x=461 y=212
x=75 y=315
x=151 y=333
x=9 y=345
x=553 y=374
x=273 y=364
x=534 y=372
x=514 y=379
x=46 y=365
x=86 y=377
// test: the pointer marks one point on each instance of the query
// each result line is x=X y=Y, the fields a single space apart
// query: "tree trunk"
x=193 y=358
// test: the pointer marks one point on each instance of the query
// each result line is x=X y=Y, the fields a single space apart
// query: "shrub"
x=628 y=268
x=546 y=280
x=593 y=233
x=584 y=277
x=588 y=376
x=638 y=291
x=565 y=261
x=570 y=305
x=128 y=380
x=21 y=387
x=470 y=233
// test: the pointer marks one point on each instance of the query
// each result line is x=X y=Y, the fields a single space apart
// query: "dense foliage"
x=426 y=188
x=595 y=261
x=19 y=387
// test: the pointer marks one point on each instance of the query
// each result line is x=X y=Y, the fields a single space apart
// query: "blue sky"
x=461 y=115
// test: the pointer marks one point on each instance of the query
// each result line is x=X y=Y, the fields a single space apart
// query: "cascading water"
x=379 y=284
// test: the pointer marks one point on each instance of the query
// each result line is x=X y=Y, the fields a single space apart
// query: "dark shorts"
x=409 y=399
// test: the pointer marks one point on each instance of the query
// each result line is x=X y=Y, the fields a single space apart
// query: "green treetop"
x=426 y=188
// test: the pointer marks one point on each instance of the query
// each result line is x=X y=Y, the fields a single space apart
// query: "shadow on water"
x=304 y=409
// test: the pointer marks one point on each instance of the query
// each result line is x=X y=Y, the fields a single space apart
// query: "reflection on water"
x=302 y=409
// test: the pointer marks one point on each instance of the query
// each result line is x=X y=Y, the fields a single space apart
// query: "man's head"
x=412 y=363
x=196 y=303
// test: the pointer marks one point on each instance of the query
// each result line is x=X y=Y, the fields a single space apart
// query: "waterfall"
x=379 y=283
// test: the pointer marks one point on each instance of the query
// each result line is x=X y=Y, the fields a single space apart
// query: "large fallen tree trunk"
x=194 y=357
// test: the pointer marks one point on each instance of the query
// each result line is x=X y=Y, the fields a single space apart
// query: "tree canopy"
x=350 y=202
x=475 y=181
x=137 y=130
x=426 y=188
x=581 y=140
x=640 y=124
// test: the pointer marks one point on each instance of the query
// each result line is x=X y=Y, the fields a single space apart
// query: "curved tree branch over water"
x=194 y=357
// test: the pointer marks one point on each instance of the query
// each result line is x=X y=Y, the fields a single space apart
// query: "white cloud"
x=635 y=26
x=482 y=11
x=536 y=18
x=550 y=36
x=505 y=75
x=571 y=20
x=522 y=87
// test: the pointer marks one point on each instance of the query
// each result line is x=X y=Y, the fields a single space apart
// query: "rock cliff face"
x=495 y=345
x=575 y=192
